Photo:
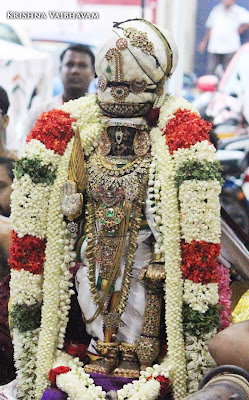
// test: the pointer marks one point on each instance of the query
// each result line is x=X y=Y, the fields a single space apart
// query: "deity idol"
x=126 y=182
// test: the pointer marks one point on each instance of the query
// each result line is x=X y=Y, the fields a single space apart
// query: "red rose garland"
x=27 y=253
x=185 y=130
x=199 y=261
x=54 y=129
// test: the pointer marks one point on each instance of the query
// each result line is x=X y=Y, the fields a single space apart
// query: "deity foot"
x=103 y=366
x=129 y=366
x=147 y=351
x=109 y=360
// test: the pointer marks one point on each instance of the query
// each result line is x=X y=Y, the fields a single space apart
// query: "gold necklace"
x=110 y=184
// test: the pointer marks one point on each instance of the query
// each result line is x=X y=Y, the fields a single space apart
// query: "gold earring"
x=141 y=143
x=104 y=144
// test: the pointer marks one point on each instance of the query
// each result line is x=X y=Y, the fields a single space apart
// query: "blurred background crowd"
x=47 y=58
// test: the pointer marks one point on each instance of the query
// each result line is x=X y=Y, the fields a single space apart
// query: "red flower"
x=199 y=261
x=76 y=350
x=27 y=252
x=57 y=371
x=164 y=384
x=185 y=130
x=54 y=129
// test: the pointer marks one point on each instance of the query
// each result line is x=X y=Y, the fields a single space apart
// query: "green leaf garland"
x=196 y=323
x=199 y=171
x=24 y=317
x=38 y=172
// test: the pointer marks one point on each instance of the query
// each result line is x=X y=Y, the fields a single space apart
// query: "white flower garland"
x=37 y=149
x=29 y=207
x=25 y=287
x=25 y=349
x=200 y=210
x=29 y=216
x=171 y=247
x=201 y=151
x=76 y=383
x=200 y=220
x=87 y=113
x=200 y=296
x=52 y=277
x=140 y=389
x=65 y=286
x=199 y=359
x=154 y=206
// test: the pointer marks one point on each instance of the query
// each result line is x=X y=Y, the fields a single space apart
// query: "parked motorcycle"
x=233 y=198
x=222 y=109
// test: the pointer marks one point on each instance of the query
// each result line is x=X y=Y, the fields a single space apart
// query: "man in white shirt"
x=76 y=73
x=224 y=25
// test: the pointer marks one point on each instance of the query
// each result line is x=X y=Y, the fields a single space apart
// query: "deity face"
x=76 y=71
x=5 y=191
x=121 y=140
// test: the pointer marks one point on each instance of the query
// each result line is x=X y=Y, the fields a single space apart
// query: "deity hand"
x=71 y=201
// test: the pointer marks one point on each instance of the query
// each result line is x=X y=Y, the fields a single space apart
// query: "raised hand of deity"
x=71 y=202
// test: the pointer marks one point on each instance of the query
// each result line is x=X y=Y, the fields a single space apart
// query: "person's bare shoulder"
x=5 y=230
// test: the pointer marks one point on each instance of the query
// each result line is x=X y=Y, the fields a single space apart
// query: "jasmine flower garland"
x=199 y=360
x=87 y=113
x=33 y=197
x=25 y=287
x=52 y=278
x=171 y=247
x=200 y=210
x=201 y=152
x=29 y=216
x=36 y=149
x=154 y=206
x=199 y=184
x=199 y=296
x=25 y=349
